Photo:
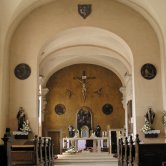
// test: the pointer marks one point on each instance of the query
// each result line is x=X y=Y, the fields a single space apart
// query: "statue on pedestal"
x=149 y=119
x=150 y=115
x=20 y=118
x=98 y=131
x=71 y=131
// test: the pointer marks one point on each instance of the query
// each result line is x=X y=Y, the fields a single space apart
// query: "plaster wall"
x=46 y=22
x=6 y=12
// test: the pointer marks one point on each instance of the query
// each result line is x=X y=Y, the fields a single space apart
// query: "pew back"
x=3 y=157
x=38 y=153
x=141 y=154
x=23 y=154
x=152 y=154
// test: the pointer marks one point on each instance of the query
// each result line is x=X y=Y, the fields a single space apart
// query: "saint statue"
x=150 y=115
x=98 y=131
x=20 y=118
x=71 y=131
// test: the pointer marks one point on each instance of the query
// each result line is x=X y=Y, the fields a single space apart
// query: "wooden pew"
x=44 y=151
x=47 y=151
x=150 y=154
x=38 y=152
x=50 y=156
x=120 y=152
x=2 y=154
x=25 y=154
x=4 y=151
x=129 y=151
x=126 y=152
x=132 y=153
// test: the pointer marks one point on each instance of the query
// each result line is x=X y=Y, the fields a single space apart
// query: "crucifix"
x=84 y=80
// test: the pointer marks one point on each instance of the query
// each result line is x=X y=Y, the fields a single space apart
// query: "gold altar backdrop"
x=65 y=88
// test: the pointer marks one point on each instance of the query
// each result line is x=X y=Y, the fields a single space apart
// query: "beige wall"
x=63 y=80
x=43 y=24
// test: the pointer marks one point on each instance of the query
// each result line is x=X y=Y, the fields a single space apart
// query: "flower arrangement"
x=164 y=118
x=76 y=133
x=71 y=150
x=149 y=118
x=146 y=127
x=26 y=127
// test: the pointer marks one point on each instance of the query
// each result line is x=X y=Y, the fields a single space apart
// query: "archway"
x=101 y=47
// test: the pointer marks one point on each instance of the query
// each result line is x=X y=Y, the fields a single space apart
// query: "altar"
x=95 y=144
x=107 y=143
x=85 y=139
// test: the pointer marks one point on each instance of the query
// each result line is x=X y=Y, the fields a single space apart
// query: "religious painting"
x=84 y=118
x=84 y=132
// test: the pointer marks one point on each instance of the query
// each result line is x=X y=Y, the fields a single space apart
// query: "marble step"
x=88 y=159
x=87 y=162
x=103 y=155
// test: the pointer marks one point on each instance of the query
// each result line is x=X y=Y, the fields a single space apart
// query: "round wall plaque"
x=60 y=109
x=148 y=71
x=107 y=109
x=22 y=71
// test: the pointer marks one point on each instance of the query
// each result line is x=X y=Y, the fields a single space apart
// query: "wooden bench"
x=132 y=153
x=38 y=153
x=3 y=151
x=46 y=151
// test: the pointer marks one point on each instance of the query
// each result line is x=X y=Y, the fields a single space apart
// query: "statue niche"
x=84 y=118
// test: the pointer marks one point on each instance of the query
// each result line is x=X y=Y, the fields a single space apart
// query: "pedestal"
x=152 y=134
x=20 y=135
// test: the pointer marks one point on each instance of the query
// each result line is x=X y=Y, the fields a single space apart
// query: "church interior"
x=83 y=74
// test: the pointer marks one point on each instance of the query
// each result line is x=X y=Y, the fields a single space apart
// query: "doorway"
x=56 y=136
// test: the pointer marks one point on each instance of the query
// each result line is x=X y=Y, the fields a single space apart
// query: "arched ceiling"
x=86 y=45
x=21 y=8
x=67 y=53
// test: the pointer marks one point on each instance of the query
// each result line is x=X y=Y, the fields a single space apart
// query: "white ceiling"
x=66 y=47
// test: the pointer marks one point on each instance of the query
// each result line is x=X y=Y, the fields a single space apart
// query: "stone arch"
x=102 y=49
x=99 y=42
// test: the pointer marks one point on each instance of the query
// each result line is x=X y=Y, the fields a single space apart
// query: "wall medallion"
x=22 y=71
x=148 y=71
x=60 y=109
x=107 y=109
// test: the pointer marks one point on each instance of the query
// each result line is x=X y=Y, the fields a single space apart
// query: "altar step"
x=88 y=159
